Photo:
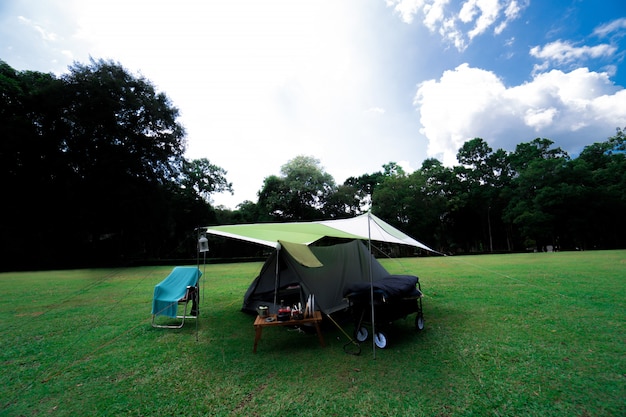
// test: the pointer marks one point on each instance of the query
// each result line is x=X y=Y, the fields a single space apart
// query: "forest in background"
x=94 y=173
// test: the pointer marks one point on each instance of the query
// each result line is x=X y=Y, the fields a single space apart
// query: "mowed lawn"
x=538 y=334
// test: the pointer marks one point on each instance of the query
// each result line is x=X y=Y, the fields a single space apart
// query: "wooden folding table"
x=262 y=322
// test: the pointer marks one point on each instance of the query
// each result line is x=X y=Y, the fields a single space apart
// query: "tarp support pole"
x=197 y=295
x=278 y=246
x=369 y=241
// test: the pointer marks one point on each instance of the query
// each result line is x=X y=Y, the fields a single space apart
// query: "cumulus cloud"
x=451 y=20
x=571 y=108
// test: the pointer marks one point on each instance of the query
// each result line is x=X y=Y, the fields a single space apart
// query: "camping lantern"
x=203 y=244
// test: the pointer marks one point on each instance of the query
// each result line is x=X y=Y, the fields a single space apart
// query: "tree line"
x=94 y=173
x=536 y=197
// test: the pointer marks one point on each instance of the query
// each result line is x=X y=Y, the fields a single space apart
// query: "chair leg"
x=173 y=326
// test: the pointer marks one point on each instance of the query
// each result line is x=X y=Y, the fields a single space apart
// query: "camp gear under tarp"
x=394 y=297
x=180 y=286
x=363 y=227
x=341 y=265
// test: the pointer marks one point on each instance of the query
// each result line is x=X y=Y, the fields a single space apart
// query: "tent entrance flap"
x=301 y=253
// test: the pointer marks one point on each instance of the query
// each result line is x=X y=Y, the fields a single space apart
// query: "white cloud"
x=43 y=33
x=540 y=118
x=377 y=110
x=406 y=166
x=560 y=52
x=434 y=13
x=611 y=27
x=450 y=33
x=407 y=9
x=67 y=53
x=483 y=12
x=512 y=12
x=571 y=108
x=450 y=21
x=451 y=106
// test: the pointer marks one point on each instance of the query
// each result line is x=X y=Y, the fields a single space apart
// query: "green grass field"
x=506 y=335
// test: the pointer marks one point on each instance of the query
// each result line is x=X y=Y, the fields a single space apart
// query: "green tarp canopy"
x=363 y=227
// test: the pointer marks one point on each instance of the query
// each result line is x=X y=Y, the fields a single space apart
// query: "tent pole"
x=200 y=283
x=369 y=240
x=197 y=266
x=201 y=247
x=277 y=273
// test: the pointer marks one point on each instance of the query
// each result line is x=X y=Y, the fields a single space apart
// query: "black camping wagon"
x=394 y=297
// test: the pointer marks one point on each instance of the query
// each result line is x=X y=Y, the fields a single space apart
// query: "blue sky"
x=354 y=83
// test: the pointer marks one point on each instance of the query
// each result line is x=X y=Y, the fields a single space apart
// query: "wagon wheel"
x=419 y=322
x=380 y=339
x=361 y=334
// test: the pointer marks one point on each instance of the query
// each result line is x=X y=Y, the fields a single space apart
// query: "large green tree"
x=92 y=165
x=124 y=145
x=34 y=177
x=201 y=177
x=536 y=193
x=403 y=201
x=595 y=202
x=364 y=186
x=478 y=202
x=301 y=192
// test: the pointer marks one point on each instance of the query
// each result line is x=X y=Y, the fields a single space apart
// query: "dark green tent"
x=341 y=264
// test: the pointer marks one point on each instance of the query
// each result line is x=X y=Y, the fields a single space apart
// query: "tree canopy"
x=300 y=193
x=93 y=168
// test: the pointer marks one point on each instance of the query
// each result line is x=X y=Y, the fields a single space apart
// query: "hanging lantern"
x=203 y=244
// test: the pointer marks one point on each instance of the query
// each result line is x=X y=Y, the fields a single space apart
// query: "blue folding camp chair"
x=179 y=287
